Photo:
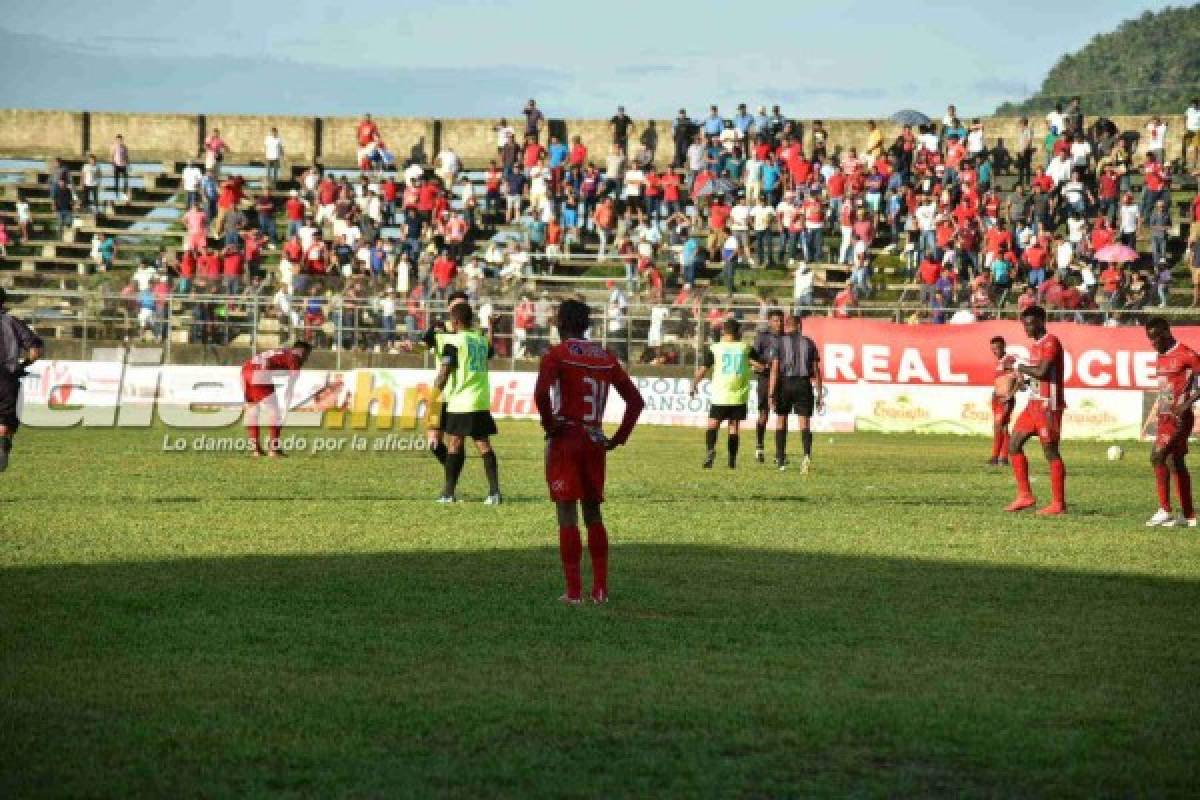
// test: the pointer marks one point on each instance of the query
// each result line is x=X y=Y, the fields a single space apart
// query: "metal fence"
x=667 y=335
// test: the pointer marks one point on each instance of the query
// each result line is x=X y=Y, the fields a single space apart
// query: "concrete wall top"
x=244 y=135
x=41 y=134
x=332 y=140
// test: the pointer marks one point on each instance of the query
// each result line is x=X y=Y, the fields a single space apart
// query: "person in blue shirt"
x=771 y=177
x=985 y=174
x=557 y=152
x=742 y=120
x=690 y=259
x=762 y=123
x=713 y=124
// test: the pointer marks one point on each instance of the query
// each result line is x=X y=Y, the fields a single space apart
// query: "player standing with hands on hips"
x=571 y=392
x=1042 y=416
x=19 y=347
x=1176 y=369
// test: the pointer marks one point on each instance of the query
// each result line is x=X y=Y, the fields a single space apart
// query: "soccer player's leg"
x=8 y=427
x=273 y=408
x=760 y=422
x=597 y=543
x=563 y=478
x=9 y=388
x=1168 y=458
x=710 y=436
x=783 y=408
x=1023 y=431
x=433 y=431
x=256 y=394
x=1049 y=433
x=734 y=439
x=491 y=469
x=452 y=466
x=999 y=433
x=804 y=409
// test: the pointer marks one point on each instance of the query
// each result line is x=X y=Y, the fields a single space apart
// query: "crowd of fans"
x=373 y=249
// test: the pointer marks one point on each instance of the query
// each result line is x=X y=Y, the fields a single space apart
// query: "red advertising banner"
x=959 y=355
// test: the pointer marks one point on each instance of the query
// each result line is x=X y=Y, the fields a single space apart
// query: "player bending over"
x=1004 y=397
x=795 y=376
x=258 y=387
x=19 y=347
x=1042 y=416
x=1176 y=369
x=731 y=360
x=572 y=389
x=766 y=344
x=463 y=381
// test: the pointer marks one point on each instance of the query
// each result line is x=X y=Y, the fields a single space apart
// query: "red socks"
x=252 y=430
x=1058 y=481
x=598 y=550
x=1184 y=480
x=1162 y=483
x=570 y=549
x=997 y=442
x=276 y=432
x=1020 y=468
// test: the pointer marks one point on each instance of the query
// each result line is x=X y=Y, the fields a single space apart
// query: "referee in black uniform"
x=766 y=344
x=19 y=347
x=796 y=388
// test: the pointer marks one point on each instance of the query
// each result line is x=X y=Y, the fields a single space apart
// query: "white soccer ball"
x=1115 y=453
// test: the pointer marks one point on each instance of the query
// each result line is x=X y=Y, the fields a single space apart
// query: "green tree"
x=1148 y=65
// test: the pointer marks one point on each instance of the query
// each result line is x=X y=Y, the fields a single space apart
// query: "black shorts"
x=727 y=413
x=10 y=389
x=794 y=396
x=437 y=419
x=762 y=387
x=475 y=424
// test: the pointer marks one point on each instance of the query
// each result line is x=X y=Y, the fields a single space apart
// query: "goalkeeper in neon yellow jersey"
x=729 y=361
x=467 y=391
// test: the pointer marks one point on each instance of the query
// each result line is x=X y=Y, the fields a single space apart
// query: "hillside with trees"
x=1150 y=64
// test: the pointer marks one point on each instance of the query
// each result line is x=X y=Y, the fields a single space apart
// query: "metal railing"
x=640 y=333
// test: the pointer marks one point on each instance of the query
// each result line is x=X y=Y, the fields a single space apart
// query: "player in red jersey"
x=1176 y=370
x=572 y=389
x=1004 y=397
x=1042 y=416
x=258 y=385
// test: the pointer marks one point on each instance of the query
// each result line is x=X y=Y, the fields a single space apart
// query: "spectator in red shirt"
x=367 y=131
x=232 y=264
x=445 y=270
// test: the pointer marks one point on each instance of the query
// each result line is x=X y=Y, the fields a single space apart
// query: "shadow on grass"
x=714 y=672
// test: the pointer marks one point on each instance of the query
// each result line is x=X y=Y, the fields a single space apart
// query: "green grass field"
x=183 y=624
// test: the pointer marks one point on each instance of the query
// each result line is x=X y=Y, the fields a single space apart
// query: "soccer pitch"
x=181 y=624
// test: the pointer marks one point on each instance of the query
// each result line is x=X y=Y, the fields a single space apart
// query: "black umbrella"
x=910 y=117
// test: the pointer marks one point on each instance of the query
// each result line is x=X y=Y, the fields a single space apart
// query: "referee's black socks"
x=5 y=449
x=806 y=438
x=734 y=441
x=780 y=444
x=760 y=431
x=710 y=440
x=439 y=452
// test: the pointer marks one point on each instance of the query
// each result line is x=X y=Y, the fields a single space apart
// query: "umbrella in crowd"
x=1116 y=254
x=715 y=186
x=909 y=117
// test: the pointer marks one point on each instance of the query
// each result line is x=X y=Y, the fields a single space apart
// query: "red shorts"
x=1173 y=433
x=1037 y=420
x=575 y=467
x=1002 y=412
x=256 y=392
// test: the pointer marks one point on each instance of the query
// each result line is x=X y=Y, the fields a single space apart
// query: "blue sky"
x=465 y=58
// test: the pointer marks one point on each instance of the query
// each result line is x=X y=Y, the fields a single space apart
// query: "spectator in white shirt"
x=190 y=180
x=1191 y=133
x=273 y=150
x=1156 y=139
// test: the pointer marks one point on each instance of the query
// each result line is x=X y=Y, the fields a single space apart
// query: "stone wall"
x=331 y=140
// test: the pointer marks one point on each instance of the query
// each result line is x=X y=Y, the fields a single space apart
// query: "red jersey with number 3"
x=1175 y=371
x=579 y=373
x=1048 y=391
